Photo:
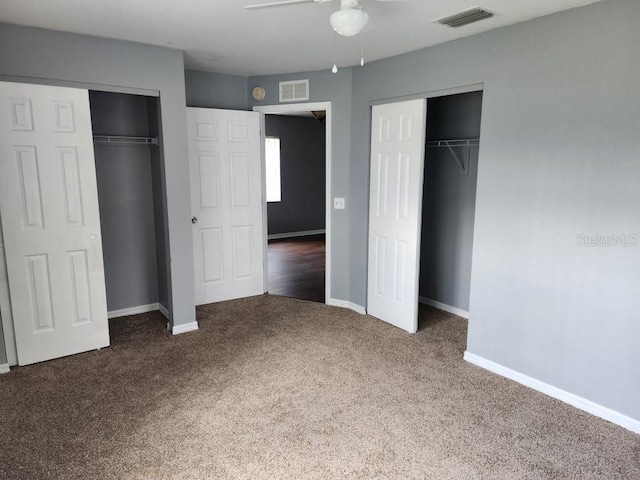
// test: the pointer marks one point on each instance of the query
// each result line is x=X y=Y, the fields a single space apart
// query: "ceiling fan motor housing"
x=344 y=4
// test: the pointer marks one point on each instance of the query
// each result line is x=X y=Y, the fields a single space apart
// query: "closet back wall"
x=126 y=199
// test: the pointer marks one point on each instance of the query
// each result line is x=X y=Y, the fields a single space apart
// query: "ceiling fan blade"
x=281 y=3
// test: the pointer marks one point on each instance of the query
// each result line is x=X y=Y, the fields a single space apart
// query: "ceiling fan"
x=348 y=21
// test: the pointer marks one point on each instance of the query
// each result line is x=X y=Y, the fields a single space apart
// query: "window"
x=272 y=154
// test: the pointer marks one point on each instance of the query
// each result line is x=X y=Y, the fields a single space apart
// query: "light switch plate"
x=338 y=203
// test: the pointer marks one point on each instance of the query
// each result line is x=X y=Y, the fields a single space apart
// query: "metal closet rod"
x=461 y=142
x=124 y=140
x=450 y=144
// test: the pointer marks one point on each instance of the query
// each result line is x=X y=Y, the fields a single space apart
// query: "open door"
x=227 y=203
x=395 y=205
x=51 y=222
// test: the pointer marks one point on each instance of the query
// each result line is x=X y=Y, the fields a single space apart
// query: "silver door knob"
x=194 y=220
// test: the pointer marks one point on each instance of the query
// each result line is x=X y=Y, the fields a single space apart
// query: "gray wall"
x=325 y=86
x=302 y=174
x=126 y=199
x=558 y=159
x=449 y=200
x=43 y=56
x=215 y=90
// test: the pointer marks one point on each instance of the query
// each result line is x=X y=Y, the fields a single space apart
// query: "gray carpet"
x=276 y=388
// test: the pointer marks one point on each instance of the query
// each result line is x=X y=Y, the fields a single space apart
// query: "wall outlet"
x=338 y=203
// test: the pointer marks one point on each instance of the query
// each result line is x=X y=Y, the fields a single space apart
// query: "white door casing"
x=51 y=222
x=295 y=108
x=395 y=205
x=227 y=203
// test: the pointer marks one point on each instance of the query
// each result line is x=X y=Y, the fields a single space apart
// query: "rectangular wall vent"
x=294 y=91
x=465 y=18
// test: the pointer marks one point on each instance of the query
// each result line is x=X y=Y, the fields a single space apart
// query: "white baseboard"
x=305 y=233
x=334 y=302
x=4 y=368
x=164 y=311
x=567 y=397
x=184 y=328
x=444 y=306
x=152 y=307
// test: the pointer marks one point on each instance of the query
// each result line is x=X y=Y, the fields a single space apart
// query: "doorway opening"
x=448 y=201
x=297 y=212
x=295 y=190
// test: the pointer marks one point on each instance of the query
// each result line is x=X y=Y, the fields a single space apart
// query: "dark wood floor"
x=296 y=267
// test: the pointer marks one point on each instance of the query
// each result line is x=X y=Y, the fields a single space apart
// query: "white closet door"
x=398 y=133
x=51 y=223
x=226 y=197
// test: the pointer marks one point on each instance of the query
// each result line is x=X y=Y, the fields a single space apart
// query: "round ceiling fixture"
x=349 y=21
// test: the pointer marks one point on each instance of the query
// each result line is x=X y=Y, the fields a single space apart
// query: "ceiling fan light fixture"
x=349 y=21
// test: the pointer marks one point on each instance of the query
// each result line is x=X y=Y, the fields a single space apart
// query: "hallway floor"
x=297 y=267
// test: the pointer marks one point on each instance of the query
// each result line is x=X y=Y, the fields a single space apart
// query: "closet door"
x=50 y=221
x=398 y=133
x=226 y=197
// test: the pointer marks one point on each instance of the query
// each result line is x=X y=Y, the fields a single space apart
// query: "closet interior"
x=132 y=213
x=448 y=210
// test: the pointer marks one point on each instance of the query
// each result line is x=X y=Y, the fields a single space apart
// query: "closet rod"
x=124 y=140
x=462 y=142
x=450 y=144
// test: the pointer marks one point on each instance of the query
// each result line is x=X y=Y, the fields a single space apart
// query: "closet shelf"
x=462 y=142
x=124 y=140
x=450 y=144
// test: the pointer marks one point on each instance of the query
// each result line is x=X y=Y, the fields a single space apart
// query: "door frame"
x=426 y=95
x=295 y=108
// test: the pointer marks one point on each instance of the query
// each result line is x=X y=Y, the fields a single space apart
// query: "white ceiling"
x=221 y=36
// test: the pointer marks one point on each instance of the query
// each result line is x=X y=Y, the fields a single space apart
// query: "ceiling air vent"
x=465 y=18
x=294 y=91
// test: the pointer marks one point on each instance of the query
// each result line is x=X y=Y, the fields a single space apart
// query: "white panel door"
x=226 y=197
x=51 y=222
x=395 y=206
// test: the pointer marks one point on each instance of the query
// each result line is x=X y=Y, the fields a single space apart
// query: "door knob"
x=194 y=220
